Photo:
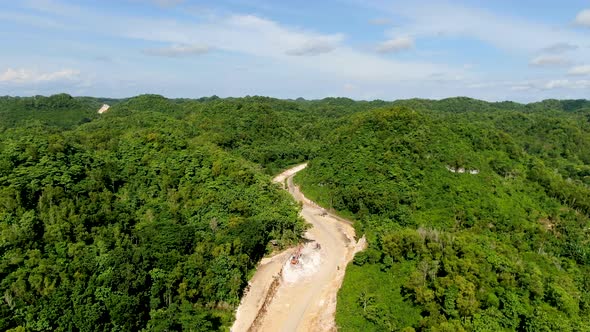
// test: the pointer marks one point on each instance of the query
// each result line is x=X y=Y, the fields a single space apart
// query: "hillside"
x=503 y=247
x=130 y=222
x=154 y=215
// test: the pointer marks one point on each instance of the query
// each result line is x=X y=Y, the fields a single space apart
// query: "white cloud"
x=557 y=84
x=481 y=85
x=445 y=77
x=161 y=3
x=33 y=20
x=54 y=7
x=583 y=18
x=247 y=34
x=538 y=85
x=558 y=48
x=23 y=76
x=315 y=46
x=549 y=61
x=511 y=85
x=442 y=19
x=396 y=44
x=168 y=3
x=380 y=21
x=567 y=84
x=250 y=35
x=580 y=70
x=268 y=40
x=521 y=87
x=245 y=39
x=179 y=50
x=103 y=58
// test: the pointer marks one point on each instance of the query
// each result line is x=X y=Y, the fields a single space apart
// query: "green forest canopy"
x=506 y=248
x=153 y=215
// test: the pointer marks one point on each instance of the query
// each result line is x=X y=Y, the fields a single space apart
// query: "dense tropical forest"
x=152 y=216
x=477 y=215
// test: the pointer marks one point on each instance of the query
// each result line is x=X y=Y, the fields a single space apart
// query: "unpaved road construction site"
x=296 y=289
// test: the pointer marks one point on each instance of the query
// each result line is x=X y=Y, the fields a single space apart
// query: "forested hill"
x=477 y=220
x=131 y=221
x=60 y=110
x=152 y=216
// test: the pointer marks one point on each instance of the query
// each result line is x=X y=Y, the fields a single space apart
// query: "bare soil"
x=304 y=299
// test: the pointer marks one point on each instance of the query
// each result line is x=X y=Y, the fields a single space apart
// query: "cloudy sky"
x=522 y=50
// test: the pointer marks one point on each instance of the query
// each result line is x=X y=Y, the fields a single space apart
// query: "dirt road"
x=305 y=294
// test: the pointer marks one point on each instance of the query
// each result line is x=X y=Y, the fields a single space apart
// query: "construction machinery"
x=295 y=257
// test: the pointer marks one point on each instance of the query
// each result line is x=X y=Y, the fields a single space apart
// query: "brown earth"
x=304 y=298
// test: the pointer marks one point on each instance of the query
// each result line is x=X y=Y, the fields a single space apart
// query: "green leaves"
x=465 y=192
x=133 y=223
x=150 y=216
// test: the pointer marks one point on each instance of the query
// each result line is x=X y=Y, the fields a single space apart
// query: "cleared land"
x=304 y=298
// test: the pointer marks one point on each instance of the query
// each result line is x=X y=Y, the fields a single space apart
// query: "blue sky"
x=363 y=49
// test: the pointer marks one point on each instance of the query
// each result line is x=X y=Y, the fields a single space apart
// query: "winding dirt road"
x=277 y=301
